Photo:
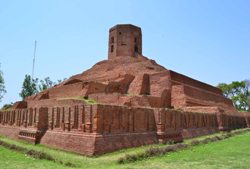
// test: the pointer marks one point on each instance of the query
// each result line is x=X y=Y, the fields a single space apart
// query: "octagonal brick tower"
x=125 y=40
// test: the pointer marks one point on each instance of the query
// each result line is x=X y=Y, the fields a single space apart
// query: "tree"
x=2 y=86
x=46 y=84
x=7 y=106
x=248 y=98
x=238 y=92
x=60 y=80
x=29 y=87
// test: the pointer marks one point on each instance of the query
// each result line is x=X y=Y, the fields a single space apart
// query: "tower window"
x=112 y=39
x=135 y=40
x=136 y=48
x=120 y=33
x=112 y=48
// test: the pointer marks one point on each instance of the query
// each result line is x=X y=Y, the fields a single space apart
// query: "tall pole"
x=34 y=59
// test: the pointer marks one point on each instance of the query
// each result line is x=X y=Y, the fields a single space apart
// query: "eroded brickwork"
x=125 y=101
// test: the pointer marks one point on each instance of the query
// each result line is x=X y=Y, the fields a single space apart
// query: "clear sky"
x=208 y=40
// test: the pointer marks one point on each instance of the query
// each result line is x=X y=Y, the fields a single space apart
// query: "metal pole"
x=34 y=59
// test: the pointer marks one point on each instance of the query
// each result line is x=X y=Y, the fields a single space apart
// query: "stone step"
x=29 y=135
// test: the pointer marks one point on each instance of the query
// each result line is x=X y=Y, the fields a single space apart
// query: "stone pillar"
x=37 y=117
x=55 y=117
x=63 y=118
x=51 y=118
x=10 y=117
x=80 y=118
x=221 y=118
x=4 y=117
x=14 y=117
x=95 y=119
x=84 y=119
x=1 y=117
x=59 y=117
x=26 y=118
x=88 y=118
x=29 y=117
x=15 y=120
x=19 y=118
x=168 y=124
x=72 y=117
x=160 y=126
x=43 y=119
x=34 y=124
x=67 y=119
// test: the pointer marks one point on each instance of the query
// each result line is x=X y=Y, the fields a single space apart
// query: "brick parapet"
x=114 y=126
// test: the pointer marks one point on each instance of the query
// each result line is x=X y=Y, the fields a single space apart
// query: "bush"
x=170 y=142
x=121 y=160
x=218 y=137
x=181 y=146
x=40 y=155
x=17 y=148
x=195 y=142
x=150 y=153
x=69 y=164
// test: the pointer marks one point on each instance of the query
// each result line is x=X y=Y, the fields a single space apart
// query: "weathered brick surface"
x=9 y=131
x=96 y=129
x=138 y=102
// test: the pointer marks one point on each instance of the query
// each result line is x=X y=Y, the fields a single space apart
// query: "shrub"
x=40 y=155
x=69 y=164
x=170 y=142
x=17 y=148
x=152 y=151
x=181 y=146
x=195 y=142
x=218 y=137
x=213 y=139
x=121 y=160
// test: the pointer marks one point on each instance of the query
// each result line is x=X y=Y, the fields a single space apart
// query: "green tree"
x=46 y=84
x=60 y=80
x=238 y=92
x=33 y=86
x=2 y=86
x=29 y=87
x=7 y=106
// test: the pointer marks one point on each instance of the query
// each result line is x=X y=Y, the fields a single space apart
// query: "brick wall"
x=96 y=129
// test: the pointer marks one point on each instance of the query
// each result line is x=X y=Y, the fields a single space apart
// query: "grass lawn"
x=233 y=152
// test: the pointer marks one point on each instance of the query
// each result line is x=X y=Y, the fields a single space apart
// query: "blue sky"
x=208 y=40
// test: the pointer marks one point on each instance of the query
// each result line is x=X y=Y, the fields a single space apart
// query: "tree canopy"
x=29 y=87
x=238 y=92
x=33 y=86
x=46 y=84
x=2 y=86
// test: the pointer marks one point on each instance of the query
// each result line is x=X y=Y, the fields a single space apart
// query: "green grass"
x=12 y=160
x=233 y=152
x=81 y=98
x=103 y=161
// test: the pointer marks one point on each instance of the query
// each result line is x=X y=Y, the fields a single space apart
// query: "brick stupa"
x=125 y=101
